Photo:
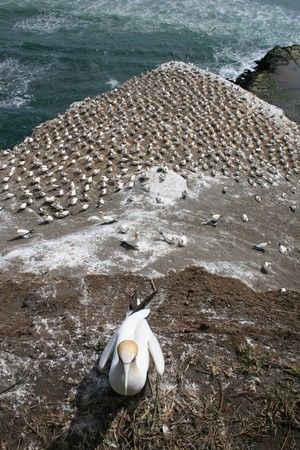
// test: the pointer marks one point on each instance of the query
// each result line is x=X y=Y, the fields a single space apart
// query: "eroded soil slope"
x=231 y=376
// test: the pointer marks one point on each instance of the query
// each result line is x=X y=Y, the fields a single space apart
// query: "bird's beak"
x=126 y=371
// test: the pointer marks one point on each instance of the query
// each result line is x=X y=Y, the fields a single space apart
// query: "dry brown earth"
x=231 y=372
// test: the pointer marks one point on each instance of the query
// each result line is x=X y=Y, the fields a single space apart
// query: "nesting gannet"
x=84 y=207
x=123 y=228
x=245 y=217
x=169 y=238
x=146 y=188
x=62 y=214
x=159 y=198
x=162 y=177
x=282 y=248
x=213 y=220
x=131 y=347
x=131 y=243
x=47 y=219
x=185 y=194
x=130 y=185
x=261 y=247
x=50 y=199
x=22 y=233
x=108 y=220
x=73 y=201
x=266 y=267
x=182 y=241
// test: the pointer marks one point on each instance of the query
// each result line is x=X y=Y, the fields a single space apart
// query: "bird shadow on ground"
x=96 y=407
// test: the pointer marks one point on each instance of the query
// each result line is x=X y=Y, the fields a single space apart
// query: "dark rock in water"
x=275 y=58
x=276 y=79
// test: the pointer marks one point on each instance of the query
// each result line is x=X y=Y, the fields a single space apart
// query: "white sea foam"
x=15 y=79
x=235 y=33
x=241 y=30
x=48 y=23
x=239 y=62
x=112 y=83
x=14 y=102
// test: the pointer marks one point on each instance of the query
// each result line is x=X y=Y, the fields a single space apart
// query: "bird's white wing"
x=156 y=353
x=107 y=352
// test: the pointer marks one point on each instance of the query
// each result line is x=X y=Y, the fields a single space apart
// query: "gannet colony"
x=176 y=117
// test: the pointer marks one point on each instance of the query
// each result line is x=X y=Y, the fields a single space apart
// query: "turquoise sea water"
x=55 y=52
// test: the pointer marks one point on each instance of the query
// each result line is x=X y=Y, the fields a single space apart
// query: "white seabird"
x=123 y=228
x=131 y=347
x=185 y=194
x=84 y=207
x=182 y=241
x=282 y=248
x=169 y=238
x=23 y=233
x=159 y=198
x=62 y=214
x=266 y=267
x=48 y=219
x=261 y=247
x=214 y=220
x=22 y=206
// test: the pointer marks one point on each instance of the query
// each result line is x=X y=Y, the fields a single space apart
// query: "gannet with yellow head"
x=131 y=347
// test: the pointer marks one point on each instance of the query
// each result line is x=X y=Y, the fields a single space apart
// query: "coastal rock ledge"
x=163 y=153
x=276 y=79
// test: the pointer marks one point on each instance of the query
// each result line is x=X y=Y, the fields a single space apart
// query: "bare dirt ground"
x=231 y=378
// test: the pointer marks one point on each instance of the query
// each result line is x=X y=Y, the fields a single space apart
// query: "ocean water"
x=55 y=52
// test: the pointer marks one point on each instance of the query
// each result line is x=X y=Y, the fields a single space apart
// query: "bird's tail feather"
x=148 y=388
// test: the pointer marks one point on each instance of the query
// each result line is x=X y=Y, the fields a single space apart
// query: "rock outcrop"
x=276 y=79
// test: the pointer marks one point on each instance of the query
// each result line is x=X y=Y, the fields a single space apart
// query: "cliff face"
x=276 y=79
x=176 y=153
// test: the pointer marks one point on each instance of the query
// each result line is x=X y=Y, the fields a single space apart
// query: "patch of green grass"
x=283 y=401
x=251 y=361
x=294 y=371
